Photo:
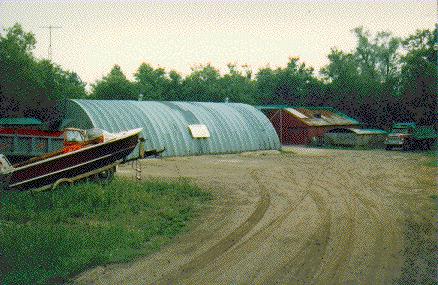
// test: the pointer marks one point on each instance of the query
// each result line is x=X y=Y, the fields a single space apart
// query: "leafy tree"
x=266 y=85
x=363 y=83
x=237 y=85
x=151 y=82
x=58 y=84
x=31 y=87
x=174 y=87
x=17 y=77
x=418 y=77
x=289 y=85
x=202 y=85
x=383 y=79
x=115 y=86
x=316 y=92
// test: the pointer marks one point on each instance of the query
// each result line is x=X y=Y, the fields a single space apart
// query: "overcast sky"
x=95 y=35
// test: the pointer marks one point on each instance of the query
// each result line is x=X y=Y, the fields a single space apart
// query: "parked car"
x=409 y=136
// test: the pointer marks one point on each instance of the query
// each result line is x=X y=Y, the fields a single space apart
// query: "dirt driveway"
x=308 y=216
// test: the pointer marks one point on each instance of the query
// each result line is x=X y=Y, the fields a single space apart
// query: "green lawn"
x=50 y=236
x=433 y=158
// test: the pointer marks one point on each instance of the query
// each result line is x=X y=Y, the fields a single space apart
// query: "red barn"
x=302 y=125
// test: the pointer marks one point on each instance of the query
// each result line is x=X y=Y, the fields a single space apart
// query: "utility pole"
x=50 y=28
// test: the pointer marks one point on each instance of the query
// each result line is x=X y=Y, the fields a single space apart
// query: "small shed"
x=372 y=138
x=305 y=125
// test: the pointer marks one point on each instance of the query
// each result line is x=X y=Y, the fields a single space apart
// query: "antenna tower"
x=50 y=28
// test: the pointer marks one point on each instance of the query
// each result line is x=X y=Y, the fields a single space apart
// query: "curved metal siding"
x=78 y=116
x=233 y=127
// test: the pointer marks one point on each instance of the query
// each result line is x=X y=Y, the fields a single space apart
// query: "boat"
x=90 y=153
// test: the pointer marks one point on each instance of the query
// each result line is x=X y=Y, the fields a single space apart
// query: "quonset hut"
x=182 y=128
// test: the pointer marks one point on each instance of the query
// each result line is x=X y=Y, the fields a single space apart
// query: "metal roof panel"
x=233 y=127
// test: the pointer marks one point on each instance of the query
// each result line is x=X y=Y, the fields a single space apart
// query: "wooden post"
x=281 y=128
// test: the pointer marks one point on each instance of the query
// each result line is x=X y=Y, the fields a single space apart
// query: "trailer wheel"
x=429 y=144
x=62 y=183
x=105 y=177
x=407 y=145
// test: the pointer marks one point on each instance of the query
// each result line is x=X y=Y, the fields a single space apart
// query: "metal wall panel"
x=233 y=127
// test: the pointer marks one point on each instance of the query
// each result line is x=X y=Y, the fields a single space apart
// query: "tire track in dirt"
x=302 y=266
x=327 y=221
x=359 y=189
x=266 y=231
x=376 y=211
x=224 y=244
x=307 y=256
x=329 y=271
x=253 y=241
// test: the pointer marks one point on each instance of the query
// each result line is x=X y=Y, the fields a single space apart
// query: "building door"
x=297 y=136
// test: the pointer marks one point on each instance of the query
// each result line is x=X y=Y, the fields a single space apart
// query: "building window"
x=199 y=131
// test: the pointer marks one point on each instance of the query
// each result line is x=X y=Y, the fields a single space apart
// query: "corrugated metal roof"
x=315 y=115
x=273 y=107
x=405 y=125
x=368 y=131
x=278 y=107
x=296 y=113
x=322 y=116
x=233 y=127
x=358 y=131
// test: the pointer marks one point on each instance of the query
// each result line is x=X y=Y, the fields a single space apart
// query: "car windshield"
x=74 y=136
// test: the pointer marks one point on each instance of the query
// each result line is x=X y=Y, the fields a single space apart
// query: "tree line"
x=384 y=79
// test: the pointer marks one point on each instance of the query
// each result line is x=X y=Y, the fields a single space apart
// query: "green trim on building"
x=20 y=121
x=275 y=107
x=404 y=125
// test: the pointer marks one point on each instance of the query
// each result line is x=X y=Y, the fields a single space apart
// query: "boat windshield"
x=74 y=136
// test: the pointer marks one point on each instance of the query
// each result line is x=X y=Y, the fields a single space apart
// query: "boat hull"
x=47 y=172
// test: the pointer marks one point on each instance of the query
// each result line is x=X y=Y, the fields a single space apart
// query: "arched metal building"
x=232 y=127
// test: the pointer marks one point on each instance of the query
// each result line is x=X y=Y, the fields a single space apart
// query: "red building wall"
x=293 y=131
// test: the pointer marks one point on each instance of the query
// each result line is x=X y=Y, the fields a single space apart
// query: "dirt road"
x=307 y=217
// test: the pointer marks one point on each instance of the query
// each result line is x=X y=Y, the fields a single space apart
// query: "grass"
x=432 y=155
x=50 y=236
